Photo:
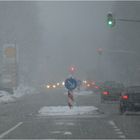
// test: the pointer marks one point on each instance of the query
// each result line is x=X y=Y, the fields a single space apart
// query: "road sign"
x=70 y=83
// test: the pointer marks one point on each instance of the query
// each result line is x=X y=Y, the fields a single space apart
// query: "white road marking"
x=117 y=130
x=115 y=127
x=55 y=132
x=70 y=124
x=61 y=132
x=112 y=123
x=59 y=123
x=122 y=136
x=67 y=133
x=10 y=130
x=62 y=123
x=120 y=133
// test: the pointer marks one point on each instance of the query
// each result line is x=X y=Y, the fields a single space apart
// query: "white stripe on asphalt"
x=59 y=123
x=119 y=133
x=117 y=130
x=55 y=132
x=70 y=124
x=112 y=123
x=67 y=133
x=10 y=130
x=122 y=136
x=115 y=127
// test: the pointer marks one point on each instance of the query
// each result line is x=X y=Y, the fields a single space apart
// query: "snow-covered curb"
x=65 y=110
x=23 y=90
x=19 y=92
x=5 y=97
x=81 y=93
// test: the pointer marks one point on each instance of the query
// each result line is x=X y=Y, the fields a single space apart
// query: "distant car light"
x=85 y=82
x=88 y=85
x=58 y=84
x=54 y=86
x=125 y=97
x=63 y=83
x=48 y=86
x=105 y=93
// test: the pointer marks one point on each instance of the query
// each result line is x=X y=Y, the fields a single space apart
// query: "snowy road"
x=34 y=117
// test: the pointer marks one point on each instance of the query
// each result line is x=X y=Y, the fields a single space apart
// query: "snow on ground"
x=65 y=110
x=5 y=97
x=84 y=93
x=81 y=92
x=22 y=90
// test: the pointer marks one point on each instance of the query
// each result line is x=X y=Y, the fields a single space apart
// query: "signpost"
x=70 y=84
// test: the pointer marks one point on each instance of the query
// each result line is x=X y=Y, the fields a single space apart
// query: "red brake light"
x=125 y=97
x=96 y=87
x=105 y=92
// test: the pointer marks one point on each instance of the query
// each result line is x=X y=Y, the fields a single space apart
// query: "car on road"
x=111 y=94
x=130 y=99
x=111 y=91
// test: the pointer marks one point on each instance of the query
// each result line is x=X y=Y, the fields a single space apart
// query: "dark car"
x=130 y=99
x=111 y=91
x=112 y=94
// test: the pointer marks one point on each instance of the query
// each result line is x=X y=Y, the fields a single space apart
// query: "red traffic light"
x=72 y=69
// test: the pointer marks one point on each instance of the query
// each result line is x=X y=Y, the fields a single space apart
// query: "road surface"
x=22 y=120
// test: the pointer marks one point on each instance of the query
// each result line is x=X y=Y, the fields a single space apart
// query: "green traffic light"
x=110 y=23
x=110 y=20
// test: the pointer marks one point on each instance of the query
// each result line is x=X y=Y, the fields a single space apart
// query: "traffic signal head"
x=110 y=20
x=72 y=69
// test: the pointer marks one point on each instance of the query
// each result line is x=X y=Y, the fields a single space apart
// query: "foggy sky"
x=52 y=36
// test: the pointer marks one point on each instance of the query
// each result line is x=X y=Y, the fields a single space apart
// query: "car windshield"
x=64 y=69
